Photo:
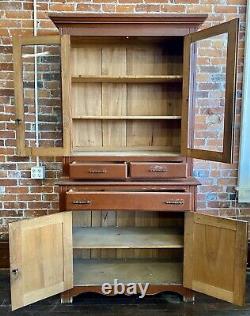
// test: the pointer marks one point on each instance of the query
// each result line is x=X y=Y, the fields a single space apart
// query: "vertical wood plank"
x=114 y=96
x=18 y=89
x=240 y=263
x=86 y=98
x=66 y=94
x=82 y=219
x=188 y=249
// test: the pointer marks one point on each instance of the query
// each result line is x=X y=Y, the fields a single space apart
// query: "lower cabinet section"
x=152 y=271
x=172 y=251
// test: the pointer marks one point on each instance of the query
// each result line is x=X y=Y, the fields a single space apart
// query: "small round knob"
x=14 y=271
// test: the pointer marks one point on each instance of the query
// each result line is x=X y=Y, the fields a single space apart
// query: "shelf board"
x=127 y=79
x=120 y=237
x=127 y=117
x=97 y=151
x=89 y=272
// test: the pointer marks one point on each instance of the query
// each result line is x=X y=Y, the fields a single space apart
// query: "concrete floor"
x=94 y=304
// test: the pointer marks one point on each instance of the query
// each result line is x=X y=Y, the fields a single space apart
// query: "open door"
x=209 y=89
x=215 y=256
x=41 y=84
x=41 y=258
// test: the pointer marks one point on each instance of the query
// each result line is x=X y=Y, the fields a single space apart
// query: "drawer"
x=145 y=201
x=157 y=170
x=98 y=170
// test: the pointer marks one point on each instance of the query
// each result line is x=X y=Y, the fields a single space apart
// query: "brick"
x=18 y=14
x=29 y=197
x=225 y=9
x=173 y=8
x=34 y=213
x=61 y=7
x=125 y=8
x=147 y=8
x=10 y=5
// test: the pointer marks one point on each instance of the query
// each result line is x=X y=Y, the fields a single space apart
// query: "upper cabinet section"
x=209 y=89
x=40 y=95
x=127 y=85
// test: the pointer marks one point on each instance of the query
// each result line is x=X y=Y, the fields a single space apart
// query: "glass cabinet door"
x=40 y=78
x=209 y=90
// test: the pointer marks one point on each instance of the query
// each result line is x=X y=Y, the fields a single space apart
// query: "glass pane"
x=208 y=97
x=47 y=128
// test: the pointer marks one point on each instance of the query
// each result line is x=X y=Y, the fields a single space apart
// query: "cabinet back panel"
x=95 y=135
x=136 y=57
x=128 y=219
x=128 y=56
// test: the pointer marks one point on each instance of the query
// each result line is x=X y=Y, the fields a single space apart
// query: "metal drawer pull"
x=97 y=171
x=81 y=202
x=158 y=169
x=177 y=202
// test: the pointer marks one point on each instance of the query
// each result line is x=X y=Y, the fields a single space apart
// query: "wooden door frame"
x=187 y=129
x=18 y=42
x=20 y=296
x=237 y=294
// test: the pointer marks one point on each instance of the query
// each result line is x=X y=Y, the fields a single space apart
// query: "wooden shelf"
x=97 y=151
x=128 y=117
x=120 y=237
x=127 y=79
x=155 y=271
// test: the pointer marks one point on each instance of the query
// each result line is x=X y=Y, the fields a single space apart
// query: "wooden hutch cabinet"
x=130 y=88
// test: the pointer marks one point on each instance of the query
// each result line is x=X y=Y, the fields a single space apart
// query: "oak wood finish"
x=142 y=170
x=187 y=129
x=188 y=295
x=215 y=256
x=97 y=272
x=18 y=43
x=40 y=258
x=122 y=98
x=110 y=83
x=98 y=170
x=127 y=117
x=128 y=237
x=126 y=25
x=127 y=79
x=144 y=201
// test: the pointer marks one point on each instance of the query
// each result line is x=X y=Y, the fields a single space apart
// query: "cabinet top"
x=77 y=24
x=65 y=18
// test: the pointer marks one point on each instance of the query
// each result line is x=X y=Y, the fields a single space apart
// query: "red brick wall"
x=19 y=195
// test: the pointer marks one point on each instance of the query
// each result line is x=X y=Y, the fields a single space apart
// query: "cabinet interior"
x=131 y=246
x=126 y=95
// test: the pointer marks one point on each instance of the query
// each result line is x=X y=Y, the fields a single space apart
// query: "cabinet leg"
x=66 y=298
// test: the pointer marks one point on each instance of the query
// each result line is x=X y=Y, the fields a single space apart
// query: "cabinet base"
x=188 y=295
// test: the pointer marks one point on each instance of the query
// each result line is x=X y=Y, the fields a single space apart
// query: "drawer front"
x=145 y=201
x=98 y=171
x=141 y=170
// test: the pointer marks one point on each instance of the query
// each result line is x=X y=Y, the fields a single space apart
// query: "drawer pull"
x=81 y=202
x=158 y=169
x=97 y=171
x=177 y=202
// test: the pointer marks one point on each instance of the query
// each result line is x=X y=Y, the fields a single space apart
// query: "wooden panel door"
x=42 y=86
x=41 y=258
x=215 y=256
x=209 y=89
